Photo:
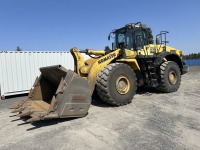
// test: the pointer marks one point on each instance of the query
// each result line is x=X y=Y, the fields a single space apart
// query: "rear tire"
x=170 y=77
x=116 y=84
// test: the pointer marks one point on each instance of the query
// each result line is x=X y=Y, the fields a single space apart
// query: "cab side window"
x=139 y=39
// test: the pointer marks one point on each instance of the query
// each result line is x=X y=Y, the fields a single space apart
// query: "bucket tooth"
x=26 y=104
x=13 y=116
x=51 y=116
x=33 y=119
x=18 y=110
x=24 y=113
x=14 y=107
x=17 y=105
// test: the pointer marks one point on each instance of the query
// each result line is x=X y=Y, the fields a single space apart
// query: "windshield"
x=121 y=38
x=129 y=39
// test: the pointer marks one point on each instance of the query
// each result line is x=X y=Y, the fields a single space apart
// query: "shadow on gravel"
x=41 y=123
x=44 y=123
x=147 y=90
x=96 y=100
x=99 y=103
x=16 y=96
x=8 y=102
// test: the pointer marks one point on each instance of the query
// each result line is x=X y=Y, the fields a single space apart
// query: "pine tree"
x=18 y=49
x=107 y=48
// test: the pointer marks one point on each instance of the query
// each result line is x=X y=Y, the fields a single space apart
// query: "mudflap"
x=57 y=93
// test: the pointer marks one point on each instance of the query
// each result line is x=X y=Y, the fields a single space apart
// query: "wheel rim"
x=172 y=77
x=122 y=85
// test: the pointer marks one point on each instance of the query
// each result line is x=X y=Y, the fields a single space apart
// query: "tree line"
x=192 y=56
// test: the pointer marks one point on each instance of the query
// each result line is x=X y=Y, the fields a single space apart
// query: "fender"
x=170 y=57
x=98 y=66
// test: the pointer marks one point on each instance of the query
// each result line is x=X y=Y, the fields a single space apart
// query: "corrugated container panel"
x=18 y=70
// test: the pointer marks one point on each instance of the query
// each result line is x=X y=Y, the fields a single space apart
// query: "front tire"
x=170 y=77
x=116 y=84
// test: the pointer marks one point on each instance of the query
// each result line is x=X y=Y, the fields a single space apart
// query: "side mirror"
x=109 y=37
x=157 y=39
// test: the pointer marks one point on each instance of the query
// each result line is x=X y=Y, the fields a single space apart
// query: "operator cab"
x=132 y=36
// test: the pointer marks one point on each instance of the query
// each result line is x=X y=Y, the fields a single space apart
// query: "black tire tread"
x=162 y=86
x=102 y=86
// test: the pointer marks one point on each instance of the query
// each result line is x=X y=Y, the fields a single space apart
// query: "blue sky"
x=58 y=25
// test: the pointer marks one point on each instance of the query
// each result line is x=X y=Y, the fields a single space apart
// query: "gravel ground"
x=152 y=121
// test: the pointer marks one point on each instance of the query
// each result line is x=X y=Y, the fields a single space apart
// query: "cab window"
x=139 y=39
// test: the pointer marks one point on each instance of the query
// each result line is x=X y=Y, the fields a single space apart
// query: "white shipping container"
x=18 y=70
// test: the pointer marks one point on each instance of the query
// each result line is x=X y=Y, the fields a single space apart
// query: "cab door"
x=139 y=39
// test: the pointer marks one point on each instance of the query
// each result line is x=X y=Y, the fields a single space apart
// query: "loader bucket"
x=57 y=93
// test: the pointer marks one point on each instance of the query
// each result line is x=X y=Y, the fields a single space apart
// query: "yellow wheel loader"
x=115 y=74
